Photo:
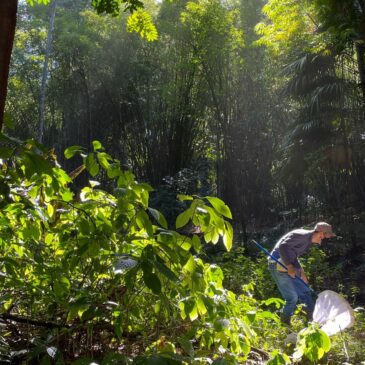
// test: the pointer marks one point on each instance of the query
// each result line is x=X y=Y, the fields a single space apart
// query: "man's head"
x=322 y=230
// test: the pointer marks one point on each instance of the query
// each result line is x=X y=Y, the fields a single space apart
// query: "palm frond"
x=309 y=64
x=307 y=73
x=329 y=93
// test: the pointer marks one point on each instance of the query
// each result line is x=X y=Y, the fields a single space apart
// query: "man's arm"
x=288 y=254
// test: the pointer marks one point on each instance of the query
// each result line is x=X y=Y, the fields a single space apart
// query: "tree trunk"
x=360 y=53
x=42 y=95
x=8 y=11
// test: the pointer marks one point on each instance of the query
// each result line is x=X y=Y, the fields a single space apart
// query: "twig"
x=34 y=322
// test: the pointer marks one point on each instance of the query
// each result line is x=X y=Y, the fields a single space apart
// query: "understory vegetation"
x=98 y=276
x=145 y=145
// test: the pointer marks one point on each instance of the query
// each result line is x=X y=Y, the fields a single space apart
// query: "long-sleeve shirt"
x=292 y=245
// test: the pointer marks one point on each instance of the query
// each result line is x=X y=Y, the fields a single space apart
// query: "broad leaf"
x=159 y=217
x=219 y=206
x=183 y=218
x=71 y=151
x=91 y=165
x=152 y=282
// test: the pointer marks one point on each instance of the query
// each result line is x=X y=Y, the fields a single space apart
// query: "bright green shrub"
x=95 y=271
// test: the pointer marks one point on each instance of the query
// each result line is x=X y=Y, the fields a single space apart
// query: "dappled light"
x=182 y=182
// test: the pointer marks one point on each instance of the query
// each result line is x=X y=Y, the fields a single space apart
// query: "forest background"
x=258 y=103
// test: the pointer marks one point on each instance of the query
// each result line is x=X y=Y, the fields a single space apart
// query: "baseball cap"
x=324 y=227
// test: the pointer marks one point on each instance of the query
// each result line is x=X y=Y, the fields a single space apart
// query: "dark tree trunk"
x=8 y=11
x=42 y=96
x=360 y=52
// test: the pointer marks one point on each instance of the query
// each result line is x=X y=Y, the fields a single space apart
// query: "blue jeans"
x=292 y=290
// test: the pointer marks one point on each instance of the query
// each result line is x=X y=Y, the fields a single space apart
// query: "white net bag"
x=333 y=313
x=123 y=264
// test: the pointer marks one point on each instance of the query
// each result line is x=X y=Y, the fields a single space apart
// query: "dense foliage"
x=99 y=275
x=259 y=103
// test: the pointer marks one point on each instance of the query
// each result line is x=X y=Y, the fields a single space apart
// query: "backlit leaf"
x=220 y=206
x=71 y=151
x=183 y=218
x=91 y=165
x=141 y=22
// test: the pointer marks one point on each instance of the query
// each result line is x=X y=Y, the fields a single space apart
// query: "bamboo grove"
x=222 y=91
x=259 y=103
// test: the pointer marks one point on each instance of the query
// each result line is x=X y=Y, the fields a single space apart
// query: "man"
x=287 y=250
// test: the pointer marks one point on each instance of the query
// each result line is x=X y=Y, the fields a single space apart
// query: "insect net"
x=333 y=313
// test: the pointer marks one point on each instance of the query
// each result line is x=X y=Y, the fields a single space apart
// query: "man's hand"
x=303 y=276
x=291 y=270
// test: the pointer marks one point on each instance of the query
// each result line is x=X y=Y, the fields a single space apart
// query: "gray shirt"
x=292 y=245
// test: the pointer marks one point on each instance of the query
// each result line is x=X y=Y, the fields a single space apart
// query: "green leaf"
x=202 y=309
x=219 y=206
x=143 y=222
x=278 y=359
x=82 y=309
x=326 y=341
x=313 y=343
x=208 y=236
x=251 y=315
x=148 y=258
x=196 y=243
x=190 y=265
x=84 y=226
x=152 y=282
x=141 y=22
x=183 y=197
x=118 y=326
x=67 y=196
x=193 y=312
x=159 y=217
x=114 y=170
x=61 y=287
x=91 y=165
x=35 y=163
x=228 y=236
x=221 y=324
x=163 y=269
x=6 y=152
x=277 y=301
x=103 y=159
x=268 y=315
x=71 y=151
x=215 y=236
x=96 y=146
x=8 y=303
x=183 y=218
x=186 y=345
x=182 y=310
x=32 y=2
